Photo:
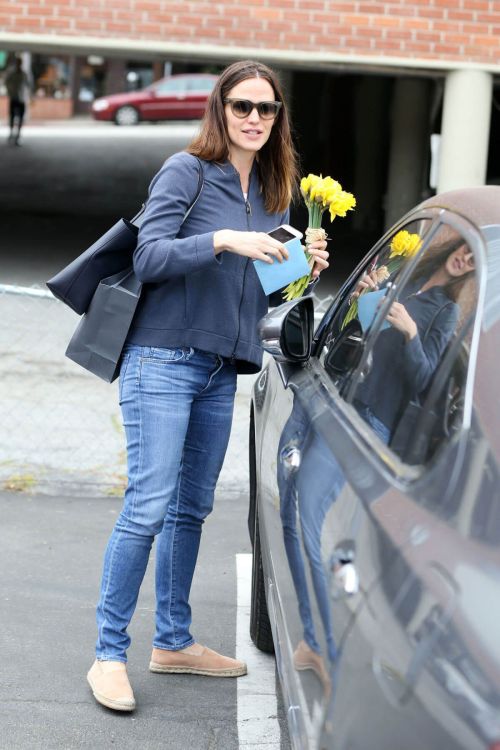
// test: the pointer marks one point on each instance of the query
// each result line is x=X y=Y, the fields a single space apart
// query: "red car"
x=178 y=97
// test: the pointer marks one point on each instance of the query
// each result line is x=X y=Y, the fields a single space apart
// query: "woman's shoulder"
x=437 y=296
x=182 y=160
x=178 y=169
x=446 y=310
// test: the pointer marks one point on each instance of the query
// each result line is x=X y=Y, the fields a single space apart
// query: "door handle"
x=345 y=577
x=291 y=456
x=345 y=581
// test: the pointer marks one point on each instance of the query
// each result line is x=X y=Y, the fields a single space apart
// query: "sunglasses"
x=243 y=107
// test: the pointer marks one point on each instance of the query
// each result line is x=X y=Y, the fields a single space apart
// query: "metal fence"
x=62 y=428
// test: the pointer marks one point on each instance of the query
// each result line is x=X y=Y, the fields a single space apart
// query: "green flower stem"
x=394 y=264
x=351 y=314
x=297 y=288
x=315 y=211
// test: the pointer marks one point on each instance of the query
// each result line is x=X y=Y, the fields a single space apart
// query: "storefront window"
x=51 y=77
x=92 y=78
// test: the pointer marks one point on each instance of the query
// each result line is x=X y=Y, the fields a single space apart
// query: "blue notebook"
x=368 y=305
x=275 y=276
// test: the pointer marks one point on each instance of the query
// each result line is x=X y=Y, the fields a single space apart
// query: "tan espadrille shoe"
x=305 y=658
x=110 y=685
x=196 y=659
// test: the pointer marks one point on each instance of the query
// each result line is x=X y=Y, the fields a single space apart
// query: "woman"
x=422 y=323
x=195 y=329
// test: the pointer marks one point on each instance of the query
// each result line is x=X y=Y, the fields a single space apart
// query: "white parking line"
x=258 y=725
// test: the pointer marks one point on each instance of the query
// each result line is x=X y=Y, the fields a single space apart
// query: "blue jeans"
x=177 y=407
x=377 y=426
x=307 y=493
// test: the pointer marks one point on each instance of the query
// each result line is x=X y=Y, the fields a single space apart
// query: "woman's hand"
x=401 y=320
x=254 y=245
x=367 y=281
x=320 y=255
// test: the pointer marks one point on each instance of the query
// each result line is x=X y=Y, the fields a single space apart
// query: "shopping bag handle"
x=137 y=219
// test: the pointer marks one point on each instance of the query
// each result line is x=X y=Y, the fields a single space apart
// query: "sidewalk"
x=79 y=121
x=83 y=124
x=62 y=426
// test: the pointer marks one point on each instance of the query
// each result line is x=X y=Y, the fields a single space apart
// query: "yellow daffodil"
x=341 y=204
x=405 y=244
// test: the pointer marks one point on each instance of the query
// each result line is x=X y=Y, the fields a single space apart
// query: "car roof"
x=481 y=205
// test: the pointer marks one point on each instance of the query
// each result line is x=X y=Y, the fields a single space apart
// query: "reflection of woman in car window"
x=423 y=321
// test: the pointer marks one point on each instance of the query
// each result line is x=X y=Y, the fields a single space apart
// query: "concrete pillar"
x=465 y=129
x=408 y=147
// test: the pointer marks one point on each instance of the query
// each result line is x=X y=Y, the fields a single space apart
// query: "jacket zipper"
x=248 y=209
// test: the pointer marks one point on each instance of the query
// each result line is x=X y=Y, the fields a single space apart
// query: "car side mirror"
x=287 y=331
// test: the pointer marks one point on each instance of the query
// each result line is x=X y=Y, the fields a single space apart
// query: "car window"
x=398 y=347
x=204 y=85
x=171 y=86
x=342 y=340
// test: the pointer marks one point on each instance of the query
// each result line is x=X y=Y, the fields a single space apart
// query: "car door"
x=167 y=100
x=308 y=511
x=328 y=466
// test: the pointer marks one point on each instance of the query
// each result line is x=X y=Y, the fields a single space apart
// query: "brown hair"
x=436 y=258
x=277 y=159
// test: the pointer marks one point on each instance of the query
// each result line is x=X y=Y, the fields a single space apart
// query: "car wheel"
x=260 y=626
x=127 y=116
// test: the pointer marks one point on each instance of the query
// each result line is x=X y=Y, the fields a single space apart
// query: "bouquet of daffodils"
x=403 y=246
x=320 y=194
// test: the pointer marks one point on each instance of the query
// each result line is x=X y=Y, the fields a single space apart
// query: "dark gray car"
x=375 y=492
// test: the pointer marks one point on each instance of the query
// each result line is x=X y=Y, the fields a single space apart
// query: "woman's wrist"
x=221 y=240
x=411 y=331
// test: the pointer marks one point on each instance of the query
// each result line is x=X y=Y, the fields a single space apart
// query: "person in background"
x=18 y=91
x=194 y=330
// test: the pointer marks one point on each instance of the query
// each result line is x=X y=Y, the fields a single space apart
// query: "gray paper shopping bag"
x=98 y=340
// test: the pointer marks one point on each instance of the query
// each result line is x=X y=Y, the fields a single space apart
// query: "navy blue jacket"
x=191 y=297
x=402 y=370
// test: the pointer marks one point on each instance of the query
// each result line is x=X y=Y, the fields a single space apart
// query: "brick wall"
x=42 y=109
x=466 y=30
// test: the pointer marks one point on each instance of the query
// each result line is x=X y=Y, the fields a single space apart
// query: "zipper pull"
x=248 y=207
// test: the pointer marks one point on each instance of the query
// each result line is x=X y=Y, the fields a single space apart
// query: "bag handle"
x=137 y=219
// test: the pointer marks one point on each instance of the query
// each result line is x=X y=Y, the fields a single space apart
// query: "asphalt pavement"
x=50 y=555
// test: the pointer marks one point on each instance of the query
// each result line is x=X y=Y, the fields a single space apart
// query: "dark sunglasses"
x=243 y=107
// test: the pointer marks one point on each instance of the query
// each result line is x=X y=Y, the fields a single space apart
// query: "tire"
x=260 y=625
x=127 y=115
